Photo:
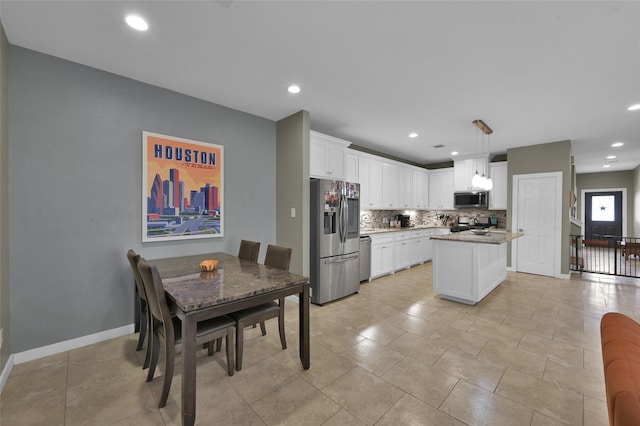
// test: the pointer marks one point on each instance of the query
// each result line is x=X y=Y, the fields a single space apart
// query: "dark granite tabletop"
x=234 y=279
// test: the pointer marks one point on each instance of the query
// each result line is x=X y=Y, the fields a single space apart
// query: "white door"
x=537 y=217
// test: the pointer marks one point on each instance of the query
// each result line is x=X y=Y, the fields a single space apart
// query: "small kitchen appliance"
x=405 y=220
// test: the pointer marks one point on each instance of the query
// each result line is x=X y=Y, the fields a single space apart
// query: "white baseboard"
x=68 y=345
x=5 y=373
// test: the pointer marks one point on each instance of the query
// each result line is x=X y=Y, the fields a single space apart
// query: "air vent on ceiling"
x=438 y=146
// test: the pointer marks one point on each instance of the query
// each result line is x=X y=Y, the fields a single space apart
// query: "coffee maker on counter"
x=405 y=220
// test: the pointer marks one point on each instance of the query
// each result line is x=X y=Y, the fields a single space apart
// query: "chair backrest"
x=249 y=250
x=156 y=299
x=278 y=257
x=134 y=258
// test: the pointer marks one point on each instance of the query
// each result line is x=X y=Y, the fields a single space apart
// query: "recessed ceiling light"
x=606 y=166
x=454 y=153
x=136 y=22
x=610 y=157
x=413 y=135
x=293 y=89
x=635 y=107
x=617 y=144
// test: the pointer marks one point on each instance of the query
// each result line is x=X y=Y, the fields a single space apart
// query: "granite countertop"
x=370 y=231
x=495 y=236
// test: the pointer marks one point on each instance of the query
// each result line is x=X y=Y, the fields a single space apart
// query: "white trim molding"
x=68 y=345
x=6 y=371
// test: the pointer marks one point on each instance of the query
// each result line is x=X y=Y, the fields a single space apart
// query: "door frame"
x=557 y=242
x=583 y=194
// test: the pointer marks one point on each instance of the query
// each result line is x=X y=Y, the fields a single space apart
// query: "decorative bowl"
x=480 y=231
x=208 y=265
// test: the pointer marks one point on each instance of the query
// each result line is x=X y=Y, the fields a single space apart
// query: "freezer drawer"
x=338 y=276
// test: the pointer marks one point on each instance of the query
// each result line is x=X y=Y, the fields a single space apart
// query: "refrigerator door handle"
x=343 y=218
x=344 y=259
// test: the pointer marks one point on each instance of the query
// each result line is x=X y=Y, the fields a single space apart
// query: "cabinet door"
x=446 y=190
x=463 y=171
x=441 y=190
x=387 y=258
x=420 y=189
x=498 y=195
x=351 y=167
x=317 y=159
x=335 y=161
x=389 y=186
x=417 y=250
x=427 y=250
x=370 y=178
x=376 y=260
x=405 y=185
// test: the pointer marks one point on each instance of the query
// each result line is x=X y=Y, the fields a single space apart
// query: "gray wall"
x=622 y=179
x=549 y=157
x=5 y=352
x=75 y=188
x=293 y=188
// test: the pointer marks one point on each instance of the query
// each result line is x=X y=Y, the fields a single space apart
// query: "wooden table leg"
x=189 y=327
x=305 y=339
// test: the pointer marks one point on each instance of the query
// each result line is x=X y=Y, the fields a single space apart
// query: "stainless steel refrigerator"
x=335 y=239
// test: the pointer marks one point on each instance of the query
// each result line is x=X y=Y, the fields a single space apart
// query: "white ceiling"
x=372 y=72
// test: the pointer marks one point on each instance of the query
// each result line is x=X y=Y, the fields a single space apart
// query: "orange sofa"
x=621 y=359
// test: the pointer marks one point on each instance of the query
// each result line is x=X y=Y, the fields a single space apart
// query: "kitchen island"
x=467 y=267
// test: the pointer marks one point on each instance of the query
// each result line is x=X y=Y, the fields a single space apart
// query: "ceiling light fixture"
x=413 y=135
x=635 y=107
x=606 y=166
x=136 y=22
x=293 y=89
x=617 y=144
x=482 y=181
x=610 y=157
x=454 y=152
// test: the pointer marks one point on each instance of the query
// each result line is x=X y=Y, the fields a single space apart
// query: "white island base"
x=466 y=271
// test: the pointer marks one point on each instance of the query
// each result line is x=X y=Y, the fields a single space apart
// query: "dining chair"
x=249 y=250
x=143 y=320
x=168 y=328
x=277 y=257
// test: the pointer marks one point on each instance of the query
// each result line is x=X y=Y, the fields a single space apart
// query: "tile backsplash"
x=380 y=218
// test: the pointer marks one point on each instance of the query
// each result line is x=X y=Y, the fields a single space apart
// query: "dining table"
x=234 y=285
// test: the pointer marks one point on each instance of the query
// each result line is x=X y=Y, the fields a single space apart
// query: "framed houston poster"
x=182 y=188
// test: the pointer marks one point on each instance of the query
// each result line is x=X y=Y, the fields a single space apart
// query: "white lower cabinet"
x=401 y=250
x=381 y=255
x=396 y=250
x=417 y=247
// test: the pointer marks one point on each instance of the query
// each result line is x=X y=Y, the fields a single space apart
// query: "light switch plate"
x=293 y=212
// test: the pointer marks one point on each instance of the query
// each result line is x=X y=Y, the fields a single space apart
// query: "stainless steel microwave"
x=476 y=199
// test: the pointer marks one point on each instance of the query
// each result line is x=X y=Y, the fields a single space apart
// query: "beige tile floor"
x=394 y=354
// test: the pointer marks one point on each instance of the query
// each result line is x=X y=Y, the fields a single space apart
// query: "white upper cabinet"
x=465 y=168
x=351 y=167
x=389 y=186
x=420 y=189
x=498 y=195
x=370 y=179
x=327 y=156
x=405 y=185
x=441 y=189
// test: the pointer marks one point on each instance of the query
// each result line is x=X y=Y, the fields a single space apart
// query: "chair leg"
x=142 y=327
x=229 y=343
x=218 y=344
x=239 y=345
x=155 y=350
x=170 y=359
x=283 y=338
x=147 y=357
x=210 y=348
x=263 y=328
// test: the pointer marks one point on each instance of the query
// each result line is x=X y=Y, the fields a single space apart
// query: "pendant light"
x=476 y=180
x=482 y=181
